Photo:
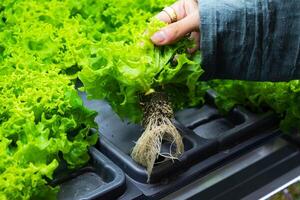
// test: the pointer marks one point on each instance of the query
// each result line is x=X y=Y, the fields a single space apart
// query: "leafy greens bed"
x=41 y=115
x=46 y=45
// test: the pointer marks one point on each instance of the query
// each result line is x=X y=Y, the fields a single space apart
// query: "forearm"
x=250 y=39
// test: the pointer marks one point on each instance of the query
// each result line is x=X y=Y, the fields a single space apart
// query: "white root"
x=158 y=127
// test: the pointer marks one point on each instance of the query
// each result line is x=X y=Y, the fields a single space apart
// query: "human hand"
x=185 y=14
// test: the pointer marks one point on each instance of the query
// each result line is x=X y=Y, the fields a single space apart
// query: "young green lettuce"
x=41 y=117
x=282 y=97
x=133 y=66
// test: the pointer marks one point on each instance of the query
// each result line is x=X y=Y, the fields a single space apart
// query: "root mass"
x=158 y=127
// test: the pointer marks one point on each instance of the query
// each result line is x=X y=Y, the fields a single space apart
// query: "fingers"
x=187 y=22
x=177 y=30
x=179 y=10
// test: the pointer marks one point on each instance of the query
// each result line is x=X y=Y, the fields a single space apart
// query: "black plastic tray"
x=186 y=176
x=205 y=133
x=237 y=126
x=101 y=179
x=228 y=130
x=253 y=174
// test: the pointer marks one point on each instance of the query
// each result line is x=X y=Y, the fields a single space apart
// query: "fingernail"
x=158 y=37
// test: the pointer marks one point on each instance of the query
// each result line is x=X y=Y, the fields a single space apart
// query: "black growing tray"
x=206 y=134
x=101 y=179
x=229 y=130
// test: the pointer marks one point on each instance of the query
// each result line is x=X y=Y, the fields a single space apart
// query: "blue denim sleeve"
x=250 y=39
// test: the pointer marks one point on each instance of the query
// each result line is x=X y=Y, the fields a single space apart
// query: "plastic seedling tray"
x=228 y=130
x=184 y=177
x=195 y=148
x=237 y=126
x=209 y=138
x=101 y=179
x=117 y=139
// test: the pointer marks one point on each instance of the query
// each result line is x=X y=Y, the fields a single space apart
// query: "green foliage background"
x=281 y=97
x=44 y=47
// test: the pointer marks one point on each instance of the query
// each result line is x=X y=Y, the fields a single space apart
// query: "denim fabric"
x=250 y=39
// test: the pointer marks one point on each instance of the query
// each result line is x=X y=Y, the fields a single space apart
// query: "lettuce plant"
x=42 y=122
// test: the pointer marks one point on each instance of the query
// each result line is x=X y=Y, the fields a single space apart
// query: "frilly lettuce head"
x=126 y=65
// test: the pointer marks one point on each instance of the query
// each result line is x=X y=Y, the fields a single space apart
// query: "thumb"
x=177 y=30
